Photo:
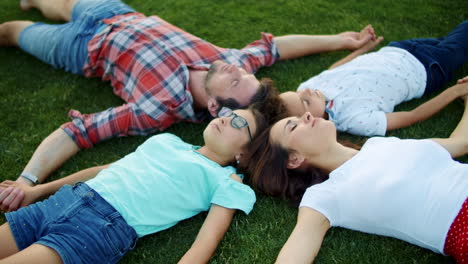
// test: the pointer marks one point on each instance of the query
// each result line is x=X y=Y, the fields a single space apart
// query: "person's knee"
x=10 y=32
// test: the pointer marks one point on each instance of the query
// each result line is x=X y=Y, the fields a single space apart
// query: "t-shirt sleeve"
x=372 y=123
x=234 y=195
x=321 y=199
x=262 y=52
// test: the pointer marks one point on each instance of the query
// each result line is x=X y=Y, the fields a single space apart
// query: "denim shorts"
x=77 y=223
x=65 y=46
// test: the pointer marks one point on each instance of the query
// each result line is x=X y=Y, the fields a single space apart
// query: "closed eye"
x=293 y=126
x=235 y=83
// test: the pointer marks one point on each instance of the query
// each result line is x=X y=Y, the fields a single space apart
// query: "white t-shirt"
x=360 y=92
x=407 y=189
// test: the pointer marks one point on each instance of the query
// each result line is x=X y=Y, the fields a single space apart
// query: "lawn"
x=35 y=99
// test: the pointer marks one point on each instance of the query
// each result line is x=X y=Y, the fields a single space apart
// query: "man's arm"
x=30 y=194
x=53 y=151
x=295 y=46
x=403 y=119
x=212 y=231
x=306 y=239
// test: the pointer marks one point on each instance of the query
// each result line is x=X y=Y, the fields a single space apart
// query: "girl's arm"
x=457 y=143
x=212 y=231
x=306 y=239
x=26 y=194
x=405 y=118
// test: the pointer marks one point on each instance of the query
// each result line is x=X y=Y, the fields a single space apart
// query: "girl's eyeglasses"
x=237 y=122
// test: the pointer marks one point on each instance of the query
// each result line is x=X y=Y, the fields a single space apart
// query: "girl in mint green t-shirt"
x=163 y=182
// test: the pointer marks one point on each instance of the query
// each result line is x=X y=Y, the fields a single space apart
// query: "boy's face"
x=297 y=103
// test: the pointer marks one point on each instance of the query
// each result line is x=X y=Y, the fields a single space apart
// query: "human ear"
x=212 y=106
x=238 y=158
x=295 y=160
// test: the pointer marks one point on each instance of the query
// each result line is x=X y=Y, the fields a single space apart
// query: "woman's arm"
x=26 y=194
x=212 y=231
x=306 y=239
x=295 y=46
x=401 y=119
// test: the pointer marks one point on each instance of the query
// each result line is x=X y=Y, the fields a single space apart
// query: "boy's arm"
x=364 y=49
x=457 y=143
x=295 y=46
x=306 y=239
x=212 y=231
x=26 y=194
x=403 y=119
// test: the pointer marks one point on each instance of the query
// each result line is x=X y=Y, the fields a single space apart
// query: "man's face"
x=229 y=81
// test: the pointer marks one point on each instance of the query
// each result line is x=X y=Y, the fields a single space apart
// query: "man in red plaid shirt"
x=164 y=74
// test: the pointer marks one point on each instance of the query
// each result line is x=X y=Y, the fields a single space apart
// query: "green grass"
x=35 y=99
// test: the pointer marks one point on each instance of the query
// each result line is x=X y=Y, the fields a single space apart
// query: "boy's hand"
x=463 y=80
x=369 y=46
x=356 y=40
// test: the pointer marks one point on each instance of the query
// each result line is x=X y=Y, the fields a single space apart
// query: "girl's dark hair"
x=266 y=163
x=267 y=107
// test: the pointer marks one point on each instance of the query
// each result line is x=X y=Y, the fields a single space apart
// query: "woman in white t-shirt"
x=359 y=92
x=407 y=189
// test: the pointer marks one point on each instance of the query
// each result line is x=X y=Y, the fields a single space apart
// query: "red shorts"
x=456 y=243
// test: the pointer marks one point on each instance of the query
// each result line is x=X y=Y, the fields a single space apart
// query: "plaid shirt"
x=147 y=61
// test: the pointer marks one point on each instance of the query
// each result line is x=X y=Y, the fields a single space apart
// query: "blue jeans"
x=440 y=56
x=77 y=223
x=65 y=46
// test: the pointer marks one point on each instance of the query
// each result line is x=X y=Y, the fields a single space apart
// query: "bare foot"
x=25 y=5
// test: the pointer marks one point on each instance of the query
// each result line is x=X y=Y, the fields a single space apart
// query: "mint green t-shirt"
x=165 y=181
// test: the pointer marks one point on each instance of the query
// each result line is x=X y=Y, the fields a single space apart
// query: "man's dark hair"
x=266 y=96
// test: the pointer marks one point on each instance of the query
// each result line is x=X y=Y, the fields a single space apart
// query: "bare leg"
x=7 y=241
x=33 y=254
x=59 y=10
x=10 y=31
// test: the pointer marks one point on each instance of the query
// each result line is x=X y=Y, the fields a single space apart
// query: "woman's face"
x=307 y=135
x=221 y=136
x=307 y=100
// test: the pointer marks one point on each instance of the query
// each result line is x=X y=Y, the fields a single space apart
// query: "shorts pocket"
x=118 y=238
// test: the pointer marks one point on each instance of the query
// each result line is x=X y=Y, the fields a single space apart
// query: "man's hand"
x=14 y=195
x=355 y=40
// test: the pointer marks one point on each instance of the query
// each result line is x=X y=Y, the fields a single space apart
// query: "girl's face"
x=306 y=135
x=307 y=100
x=223 y=136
